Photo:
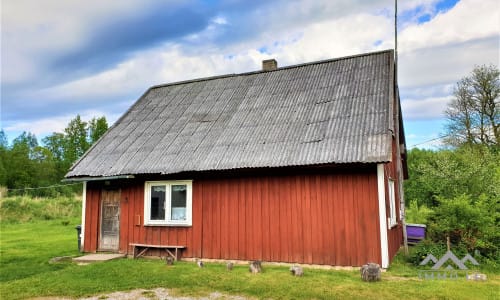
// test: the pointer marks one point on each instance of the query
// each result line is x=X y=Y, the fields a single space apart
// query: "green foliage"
x=417 y=214
x=469 y=224
x=27 y=209
x=420 y=251
x=97 y=127
x=456 y=193
x=450 y=173
x=26 y=164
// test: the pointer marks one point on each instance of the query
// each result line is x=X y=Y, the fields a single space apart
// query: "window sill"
x=167 y=225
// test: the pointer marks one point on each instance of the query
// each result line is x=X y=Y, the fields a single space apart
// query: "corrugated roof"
x=332 y=111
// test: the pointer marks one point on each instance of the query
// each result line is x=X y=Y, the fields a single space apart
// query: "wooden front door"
x=110 y=220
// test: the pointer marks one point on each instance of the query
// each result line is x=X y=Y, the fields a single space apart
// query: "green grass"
x=25 y=272
x=22 y=209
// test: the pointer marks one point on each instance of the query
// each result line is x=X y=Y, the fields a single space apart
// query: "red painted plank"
x=257 y=216
x=320 y=191
x=123 y=221
x=207 y=215
x=141 y=233
x=224 y=219
x=97 y=218
x=299 y=201
x=328 y=232
x=88 y=221
x=242 y=215
x=266 y=244
x=232 y=230
x=216 y=201
x=195 y=250
x=294 y=225
x=288 y=217
x=250 y=219
x=273 y=219
x=340 y=224
x=357 y=210
x=314 y=219
x=307 y=218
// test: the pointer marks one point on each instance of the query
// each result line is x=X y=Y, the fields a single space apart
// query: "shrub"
x=424 y=248
x=469 y=224
x=417 y=214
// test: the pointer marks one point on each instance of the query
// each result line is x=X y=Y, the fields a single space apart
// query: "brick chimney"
x=269 y=65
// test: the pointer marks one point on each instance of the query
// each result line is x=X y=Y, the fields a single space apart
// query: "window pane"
x=157 y=202
x=178 y=202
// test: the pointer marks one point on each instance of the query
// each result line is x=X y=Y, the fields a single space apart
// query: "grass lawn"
x=25 y=272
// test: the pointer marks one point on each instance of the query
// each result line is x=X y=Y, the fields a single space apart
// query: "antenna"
x=396 y=32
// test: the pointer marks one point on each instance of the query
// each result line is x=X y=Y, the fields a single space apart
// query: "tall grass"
x=21 y=209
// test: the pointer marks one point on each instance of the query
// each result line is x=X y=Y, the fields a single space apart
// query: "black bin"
x=79 y=233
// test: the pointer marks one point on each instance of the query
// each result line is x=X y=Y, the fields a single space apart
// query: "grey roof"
x=332 y=111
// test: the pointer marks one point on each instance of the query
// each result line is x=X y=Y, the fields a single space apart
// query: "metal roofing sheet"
x=335 y=111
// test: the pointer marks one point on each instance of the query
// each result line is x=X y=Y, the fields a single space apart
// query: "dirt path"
x=152 y=294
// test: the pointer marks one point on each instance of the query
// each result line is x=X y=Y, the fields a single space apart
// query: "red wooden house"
x=300 y=164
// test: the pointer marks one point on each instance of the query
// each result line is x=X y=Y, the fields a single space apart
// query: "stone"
x=255 y=267
x=199 y=263
x=370 y=272
x=476 y=277
x=296 y=271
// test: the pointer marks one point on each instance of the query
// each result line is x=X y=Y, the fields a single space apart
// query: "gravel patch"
x=158 y=294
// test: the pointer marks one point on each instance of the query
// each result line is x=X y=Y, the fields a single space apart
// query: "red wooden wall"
x=323 y=218
x=394 y=234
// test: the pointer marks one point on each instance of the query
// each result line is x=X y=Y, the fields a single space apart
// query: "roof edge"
x=97 y=178
x=277 y=70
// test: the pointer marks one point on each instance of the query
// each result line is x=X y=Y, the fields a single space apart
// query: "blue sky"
x=94 y=58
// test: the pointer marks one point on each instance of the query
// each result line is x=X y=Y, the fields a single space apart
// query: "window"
x=168 y=203
x=392 y=204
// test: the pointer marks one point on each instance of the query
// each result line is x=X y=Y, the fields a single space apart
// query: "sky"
x=96 y=58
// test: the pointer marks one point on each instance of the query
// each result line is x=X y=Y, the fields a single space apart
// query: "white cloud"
x=433 y=55
x=35 y=30
x=46 y=126
x=468 y=20
x=428 y=108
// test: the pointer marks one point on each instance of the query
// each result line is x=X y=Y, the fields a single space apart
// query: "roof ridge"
x=261 y=71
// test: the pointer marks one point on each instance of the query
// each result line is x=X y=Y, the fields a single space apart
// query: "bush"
x=424 y=248
x=417 y=214
x=469 y=224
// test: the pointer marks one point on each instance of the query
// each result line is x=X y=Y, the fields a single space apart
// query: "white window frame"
x=168 y=204
x=392 y=202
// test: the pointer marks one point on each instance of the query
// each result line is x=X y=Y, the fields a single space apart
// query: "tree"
x=27 y=164
x=3 y=157
x=473 y=116
x=76 y=139
x=3 y=140
x=472 y=171
x=20 y=162
x=97 y=127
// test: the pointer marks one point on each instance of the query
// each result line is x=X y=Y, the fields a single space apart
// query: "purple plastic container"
x=415 y=232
